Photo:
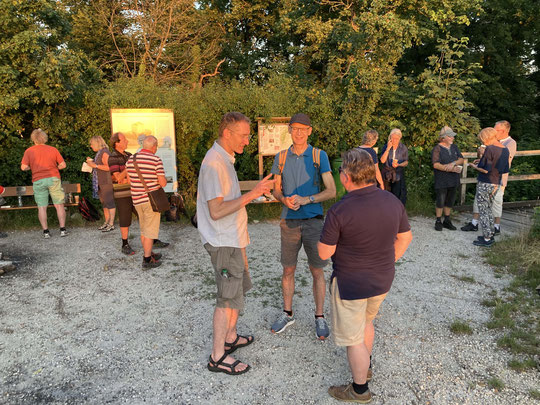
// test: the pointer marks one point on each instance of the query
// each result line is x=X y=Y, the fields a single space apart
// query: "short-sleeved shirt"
x=511 y=145
x=217 y=178
x=150 y=166
x=443 y=155
x=363 y=225
x=117 y=161
x=495 y=161
x=401 y=154
x=371 y=152
x=300 y=177
x=43 y=161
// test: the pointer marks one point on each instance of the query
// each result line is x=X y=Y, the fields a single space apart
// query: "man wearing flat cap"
x=299 y=172
x=447 y=163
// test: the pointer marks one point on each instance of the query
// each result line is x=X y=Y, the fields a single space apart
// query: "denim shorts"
x=298 y=232
x=49 y=186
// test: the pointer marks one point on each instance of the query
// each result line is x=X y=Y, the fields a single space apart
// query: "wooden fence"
x=472 y=180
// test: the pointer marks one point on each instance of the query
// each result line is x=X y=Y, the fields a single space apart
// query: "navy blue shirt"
x=495 y=161
x=443 y=155
x=301 y=178
x=402 y=155
x=371 y=152
x=364 y=226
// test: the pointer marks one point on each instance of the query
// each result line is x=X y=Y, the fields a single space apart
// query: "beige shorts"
x=349 y=317
x=232 y=289
x=497 y=204
x=148 y=220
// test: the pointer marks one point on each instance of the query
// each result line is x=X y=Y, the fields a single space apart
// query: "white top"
x=217 y=178
x=511 y=145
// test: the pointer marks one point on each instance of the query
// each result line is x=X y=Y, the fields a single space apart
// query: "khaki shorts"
x=232 y=289
x=497 y=205
x=148 y=220
x=49 y=186
x=349 y=317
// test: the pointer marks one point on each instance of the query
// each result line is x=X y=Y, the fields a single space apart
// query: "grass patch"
x=495 y=383
x=466 y=279
x=463 y=256
x=516 y=311
x=522 y=365
x=534 y=394
x=460 y=327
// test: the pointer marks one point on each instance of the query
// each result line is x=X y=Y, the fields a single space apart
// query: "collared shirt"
x=363 y=226
x=217 y=178
x=511 y=145
x=300 y=177
x=401 y=154
x=150 y=166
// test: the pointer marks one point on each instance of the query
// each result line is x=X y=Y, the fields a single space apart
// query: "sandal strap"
x=220 y=361
x=235 y=341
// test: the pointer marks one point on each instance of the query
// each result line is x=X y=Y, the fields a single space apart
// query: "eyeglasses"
x=247 y=136
x=298 y=130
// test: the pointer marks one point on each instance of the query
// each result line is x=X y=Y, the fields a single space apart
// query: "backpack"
x=316 y=153
x=87 y=210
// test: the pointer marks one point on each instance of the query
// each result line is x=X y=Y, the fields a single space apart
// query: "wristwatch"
x=311 y=199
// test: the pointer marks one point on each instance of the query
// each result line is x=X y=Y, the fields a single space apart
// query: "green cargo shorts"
x=44 y=187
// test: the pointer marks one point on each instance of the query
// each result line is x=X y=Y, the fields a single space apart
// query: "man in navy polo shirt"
x=364 y=233
x=298 y=188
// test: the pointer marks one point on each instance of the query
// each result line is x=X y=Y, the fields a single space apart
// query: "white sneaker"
x=46 y=235
x=108 y=228
x=64 y=233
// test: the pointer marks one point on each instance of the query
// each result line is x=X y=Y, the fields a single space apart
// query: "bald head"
x=149 y=142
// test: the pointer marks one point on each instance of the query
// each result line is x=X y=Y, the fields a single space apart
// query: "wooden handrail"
x=472 y=155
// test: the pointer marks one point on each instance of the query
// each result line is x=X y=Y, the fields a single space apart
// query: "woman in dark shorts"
x=447 y=163
x=102 y=182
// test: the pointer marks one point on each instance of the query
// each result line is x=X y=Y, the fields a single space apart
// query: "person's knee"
x=288 y=271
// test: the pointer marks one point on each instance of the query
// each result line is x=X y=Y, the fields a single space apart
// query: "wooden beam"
x=29 y=190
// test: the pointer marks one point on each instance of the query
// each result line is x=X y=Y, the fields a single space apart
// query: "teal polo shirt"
x=300 y=177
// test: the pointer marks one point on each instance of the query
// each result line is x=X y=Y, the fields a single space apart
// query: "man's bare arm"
x=325 y=251
x=328 y=192
x=401 y=243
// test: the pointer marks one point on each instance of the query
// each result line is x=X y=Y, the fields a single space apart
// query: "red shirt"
x=43 y=161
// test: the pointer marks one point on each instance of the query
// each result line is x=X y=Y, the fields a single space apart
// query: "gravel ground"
x=81 y=323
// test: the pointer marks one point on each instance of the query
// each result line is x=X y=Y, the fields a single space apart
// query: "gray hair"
x=505 y=124
x=39 y=136
x=396 y=131
x=149 y=142
x=370 y=136
x=358 y=165
x=231 y=118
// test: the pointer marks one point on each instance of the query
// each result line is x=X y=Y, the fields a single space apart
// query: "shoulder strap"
x=282 y=159
x=139 y=173
x=316 y=156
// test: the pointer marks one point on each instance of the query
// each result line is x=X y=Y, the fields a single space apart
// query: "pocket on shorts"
x=230 y=287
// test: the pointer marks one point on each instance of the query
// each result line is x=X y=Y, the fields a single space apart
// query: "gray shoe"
x=108 y=228
x=127 y=250
x=321 y=328
x=282 y=323
x=346 y=393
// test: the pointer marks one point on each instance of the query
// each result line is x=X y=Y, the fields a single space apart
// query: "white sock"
x=498 y=226
x=474 y=222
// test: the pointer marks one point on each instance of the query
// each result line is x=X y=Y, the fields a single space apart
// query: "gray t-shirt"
x=511 y=145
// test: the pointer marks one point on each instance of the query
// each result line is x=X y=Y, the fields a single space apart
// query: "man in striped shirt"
x=151 y=170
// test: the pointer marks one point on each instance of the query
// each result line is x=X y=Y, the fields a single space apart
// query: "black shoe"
x=470 y=227
x=484 y=243
x=448 y=225
x=438 y=226
x=159 y=244
x=127 y=250
x=497 y=231
x=3 y=235
x=151 y=264
x=156 y=256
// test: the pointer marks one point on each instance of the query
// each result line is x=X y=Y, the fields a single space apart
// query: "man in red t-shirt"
x=45 y=162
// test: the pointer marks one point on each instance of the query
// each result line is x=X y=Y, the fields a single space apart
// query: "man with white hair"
x=45 y=162
x=152 y=172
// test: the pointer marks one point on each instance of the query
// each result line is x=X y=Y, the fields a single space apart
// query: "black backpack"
x=87 y=210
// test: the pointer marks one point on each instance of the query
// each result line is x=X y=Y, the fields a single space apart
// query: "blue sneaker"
x=321 y=328
x=484 y=243
x=282 y=323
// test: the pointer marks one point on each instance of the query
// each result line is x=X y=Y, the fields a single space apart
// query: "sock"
x=498 y=226
x=319 y=316
x=147 y=259
x=447 y=218
x=124 y=242
x=438 y=219
x=63 y=228
x=474 y=222
x=360 y=388
x=288 y=312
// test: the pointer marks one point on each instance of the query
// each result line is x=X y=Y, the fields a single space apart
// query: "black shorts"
x=125 y=209
x=445 y=197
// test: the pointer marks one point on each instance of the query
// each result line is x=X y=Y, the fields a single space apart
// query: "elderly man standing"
x=222 y=223
x=45 y=162
x=145 y=166
x=298 y=171
x=503 y=136
x=364 y=233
